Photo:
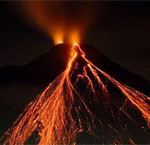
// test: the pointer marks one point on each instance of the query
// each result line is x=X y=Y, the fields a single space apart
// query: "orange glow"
x=75 y=44
x=58 y=37
x=74 y=37
x=59 y=41
x=56 y=20
x=57 y=113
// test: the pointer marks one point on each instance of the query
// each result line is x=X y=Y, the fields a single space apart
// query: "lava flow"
x=65 y=110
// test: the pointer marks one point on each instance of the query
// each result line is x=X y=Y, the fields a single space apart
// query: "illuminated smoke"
x=62 y=21
x=63 y=111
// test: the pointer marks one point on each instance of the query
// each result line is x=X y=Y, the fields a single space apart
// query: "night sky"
x=121 y=32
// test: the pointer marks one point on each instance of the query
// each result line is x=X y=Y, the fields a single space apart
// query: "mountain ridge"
x=52 y=63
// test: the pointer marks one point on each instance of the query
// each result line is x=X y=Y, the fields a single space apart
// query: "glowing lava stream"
x=57 y=114
x=137 y=98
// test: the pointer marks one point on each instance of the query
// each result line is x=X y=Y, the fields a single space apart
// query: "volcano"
x=90 y=99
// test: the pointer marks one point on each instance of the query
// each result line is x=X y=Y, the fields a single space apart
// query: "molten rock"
x=84 y=104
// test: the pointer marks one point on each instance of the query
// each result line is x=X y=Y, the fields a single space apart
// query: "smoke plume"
x=62 y=21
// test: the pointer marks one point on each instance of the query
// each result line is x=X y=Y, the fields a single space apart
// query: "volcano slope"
x=92 y=100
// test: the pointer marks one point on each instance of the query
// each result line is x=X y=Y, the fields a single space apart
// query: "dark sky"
x=122 y=33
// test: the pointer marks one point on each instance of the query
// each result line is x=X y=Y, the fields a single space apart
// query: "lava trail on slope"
x=79 y=102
